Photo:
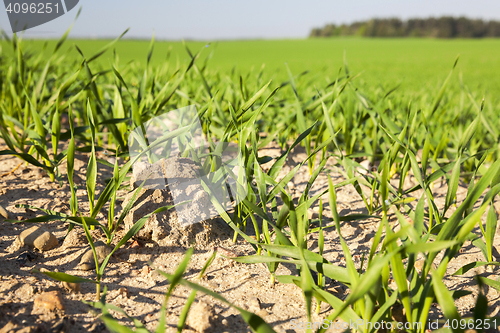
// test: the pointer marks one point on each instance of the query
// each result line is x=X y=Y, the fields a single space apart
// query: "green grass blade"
x=59 y=276
x=445 y=300
x=91 y=176
x=452 y=186
x=491 y=227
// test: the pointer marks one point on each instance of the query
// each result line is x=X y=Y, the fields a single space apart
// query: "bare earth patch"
x=140 y=291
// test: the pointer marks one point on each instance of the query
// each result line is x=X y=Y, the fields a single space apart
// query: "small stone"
x=136 y=245
x=393 y=285
x=419 y=264
x=25 y=292
x=123 y=291
x=38 y=238
x=200 y=317
x=48 y=302
x=365 y=167
x=102 y=251
x=4 y=213
x=72 y=287
x=224 y=322
x=75 y=238
x=146 y=270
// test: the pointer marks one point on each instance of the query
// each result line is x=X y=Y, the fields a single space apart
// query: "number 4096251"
x=478 y=324
x=33 y=8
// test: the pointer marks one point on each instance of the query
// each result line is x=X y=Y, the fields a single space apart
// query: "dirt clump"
x=48 y=302
x=87 y=262
x=169 y=182
x=39 y=238
x=201 y=316
x=72 y=287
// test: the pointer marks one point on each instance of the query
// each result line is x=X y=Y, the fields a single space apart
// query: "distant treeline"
x=443 y=27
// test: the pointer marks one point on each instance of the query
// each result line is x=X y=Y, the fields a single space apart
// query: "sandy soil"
x=140 y=291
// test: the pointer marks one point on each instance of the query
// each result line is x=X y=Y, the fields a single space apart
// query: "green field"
x=415 y=63
x=410 y=113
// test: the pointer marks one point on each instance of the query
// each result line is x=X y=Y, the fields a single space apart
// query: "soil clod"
x=102 y=251
x=48 y=302
x=72 y=287
x=39 y=238
x=168 y=179
x=201 y=316
x=25 y=292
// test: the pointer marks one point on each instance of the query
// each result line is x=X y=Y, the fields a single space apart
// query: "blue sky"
x=236 y=19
